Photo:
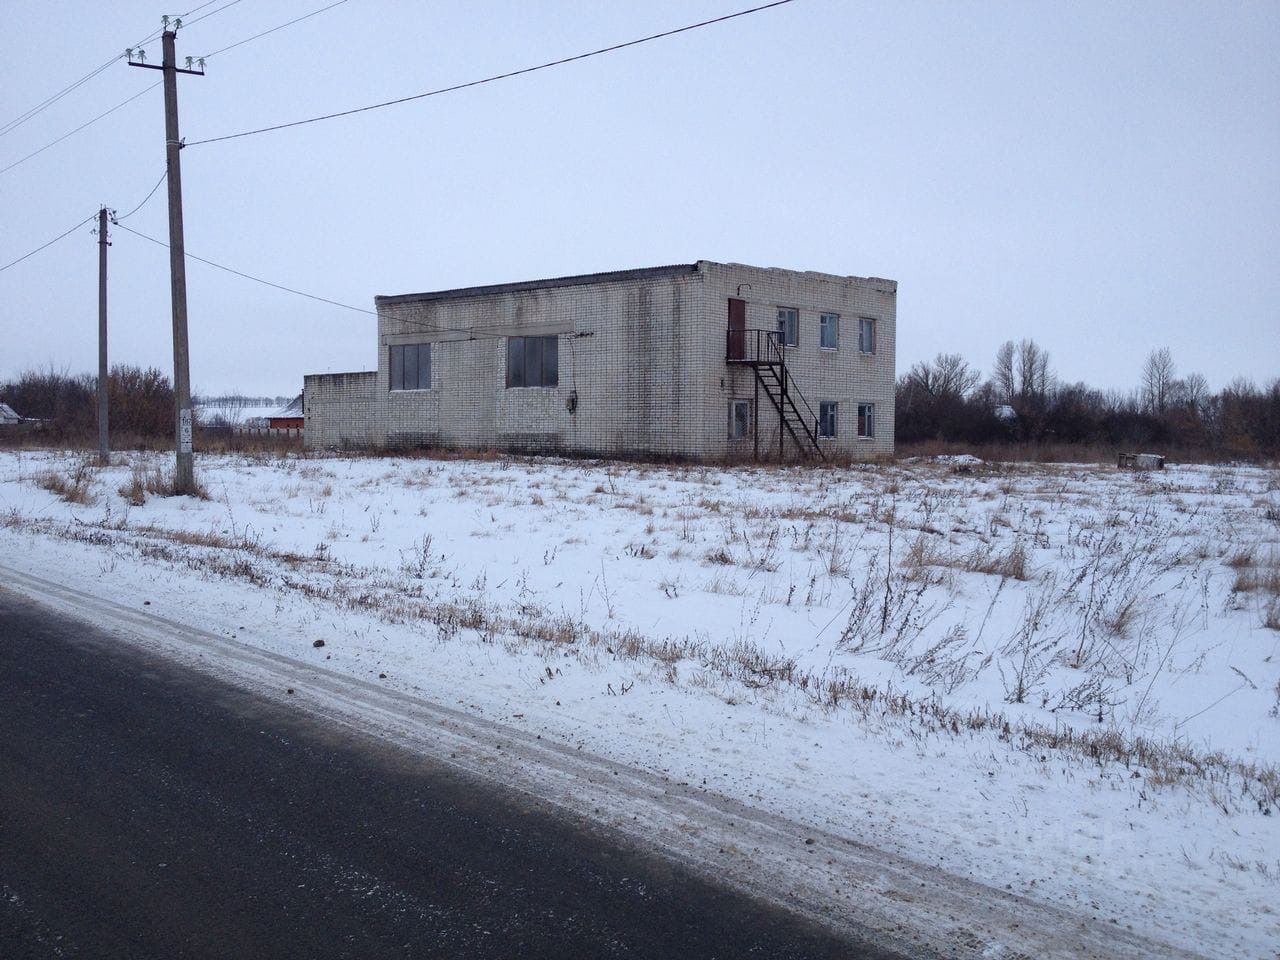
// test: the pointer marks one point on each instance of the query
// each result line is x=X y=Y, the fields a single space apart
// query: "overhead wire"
x=418 y=324
x=189 y=23
x=164 y=176
x=207 y=3
x=207 y=56
x=54 y=143
x=259 y=36
x=496 y=77
x=49 y=244
x=247 y=276
x=50 y=101
x=86 y=220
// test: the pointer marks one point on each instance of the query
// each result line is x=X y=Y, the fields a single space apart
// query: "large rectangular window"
x=739 y=419
x=829 y=331
x=866 y=421
x=866 y=335
x=411 y=366
x=789 y=326
x=533 y=362
x=828 y=411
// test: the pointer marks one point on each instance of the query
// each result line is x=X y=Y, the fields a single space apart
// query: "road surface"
x=147 y=810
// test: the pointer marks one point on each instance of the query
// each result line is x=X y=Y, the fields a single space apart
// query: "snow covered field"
x=1058 y=681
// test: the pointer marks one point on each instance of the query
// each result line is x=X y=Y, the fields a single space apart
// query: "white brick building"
x=698 y=361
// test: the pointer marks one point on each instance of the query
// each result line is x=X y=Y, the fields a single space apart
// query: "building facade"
x=703 y=361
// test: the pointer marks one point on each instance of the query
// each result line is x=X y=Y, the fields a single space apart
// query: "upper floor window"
x=533 y=361
x=866 y=421
x=828 y=411
x=866 y=335
x=829 y=331
x=789 y=326
x=411 y=366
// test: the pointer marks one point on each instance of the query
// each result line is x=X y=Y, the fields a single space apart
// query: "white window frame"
x=866 y=421
x=789 y=326
x=829 y=323
x=734 y=407
x=828 y=415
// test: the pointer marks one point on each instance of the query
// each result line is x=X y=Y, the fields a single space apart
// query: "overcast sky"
x=1103 y=178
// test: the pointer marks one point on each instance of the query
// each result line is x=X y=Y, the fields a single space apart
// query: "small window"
x=866 y=421
x=866 y=335
x=411 y=366
x=533 y=362
x=827 y=414
x=829 y=331
x=739 y=419
x=789 y=326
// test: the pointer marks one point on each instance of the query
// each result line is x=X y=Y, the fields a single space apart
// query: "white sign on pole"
x=184 y=431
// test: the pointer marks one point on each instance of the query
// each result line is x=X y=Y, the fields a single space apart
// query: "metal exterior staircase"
x=765 y=353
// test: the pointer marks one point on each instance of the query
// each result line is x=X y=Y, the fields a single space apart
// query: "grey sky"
x=1103 y=178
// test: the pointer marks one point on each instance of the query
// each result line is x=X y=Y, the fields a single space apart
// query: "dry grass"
x=931 y=551
x=75 y=487
x=145 y=478
x=742 y=668
x=1264 y=579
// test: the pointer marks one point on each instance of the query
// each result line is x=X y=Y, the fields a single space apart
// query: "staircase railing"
x=764 y=350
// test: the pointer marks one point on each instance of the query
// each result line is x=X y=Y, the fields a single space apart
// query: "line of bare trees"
x=946 y=399
x=140 y=400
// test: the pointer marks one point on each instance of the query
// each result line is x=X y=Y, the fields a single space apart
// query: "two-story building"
x=703 y=361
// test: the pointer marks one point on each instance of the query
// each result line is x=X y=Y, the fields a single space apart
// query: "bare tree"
x=1157 y=380
x=1191 y=392
x=1032 y=367
x=947 y=377
x=1002 y=372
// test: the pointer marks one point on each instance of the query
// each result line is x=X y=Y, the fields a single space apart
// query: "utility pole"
x=104 y=449
x=184 y=481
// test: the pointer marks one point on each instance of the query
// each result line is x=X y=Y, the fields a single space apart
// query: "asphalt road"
x=149 y=811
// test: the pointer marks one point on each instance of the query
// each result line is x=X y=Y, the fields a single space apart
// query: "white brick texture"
x=641 y=352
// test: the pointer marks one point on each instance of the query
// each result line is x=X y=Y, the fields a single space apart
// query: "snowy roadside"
x=1074 y=856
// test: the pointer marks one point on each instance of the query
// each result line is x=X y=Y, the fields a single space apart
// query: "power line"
x=501 y=76
x=86 y=220
x=207 y=3
x=50 y=243
x=50 y=101
x=207 y=56
x=219 y=266
x=421 y=325
x=258 y=36
x=54 y=143
x=164 y=176
x=189 y=23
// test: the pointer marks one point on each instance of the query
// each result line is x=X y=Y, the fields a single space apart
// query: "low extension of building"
x=702 y=361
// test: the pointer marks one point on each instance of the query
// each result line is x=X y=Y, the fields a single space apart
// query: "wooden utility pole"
x=104 y=449
x=184 y=481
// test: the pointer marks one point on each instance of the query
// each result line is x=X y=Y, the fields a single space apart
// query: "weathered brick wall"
x=343 y=411
x=624 y=352
x=643 y=354
x=843 y=375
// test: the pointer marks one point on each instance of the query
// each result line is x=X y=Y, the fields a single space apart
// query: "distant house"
x=289 y=417
x=698 y=361
x=13 y=422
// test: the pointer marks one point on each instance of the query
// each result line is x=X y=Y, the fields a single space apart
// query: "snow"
x=890 y=654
